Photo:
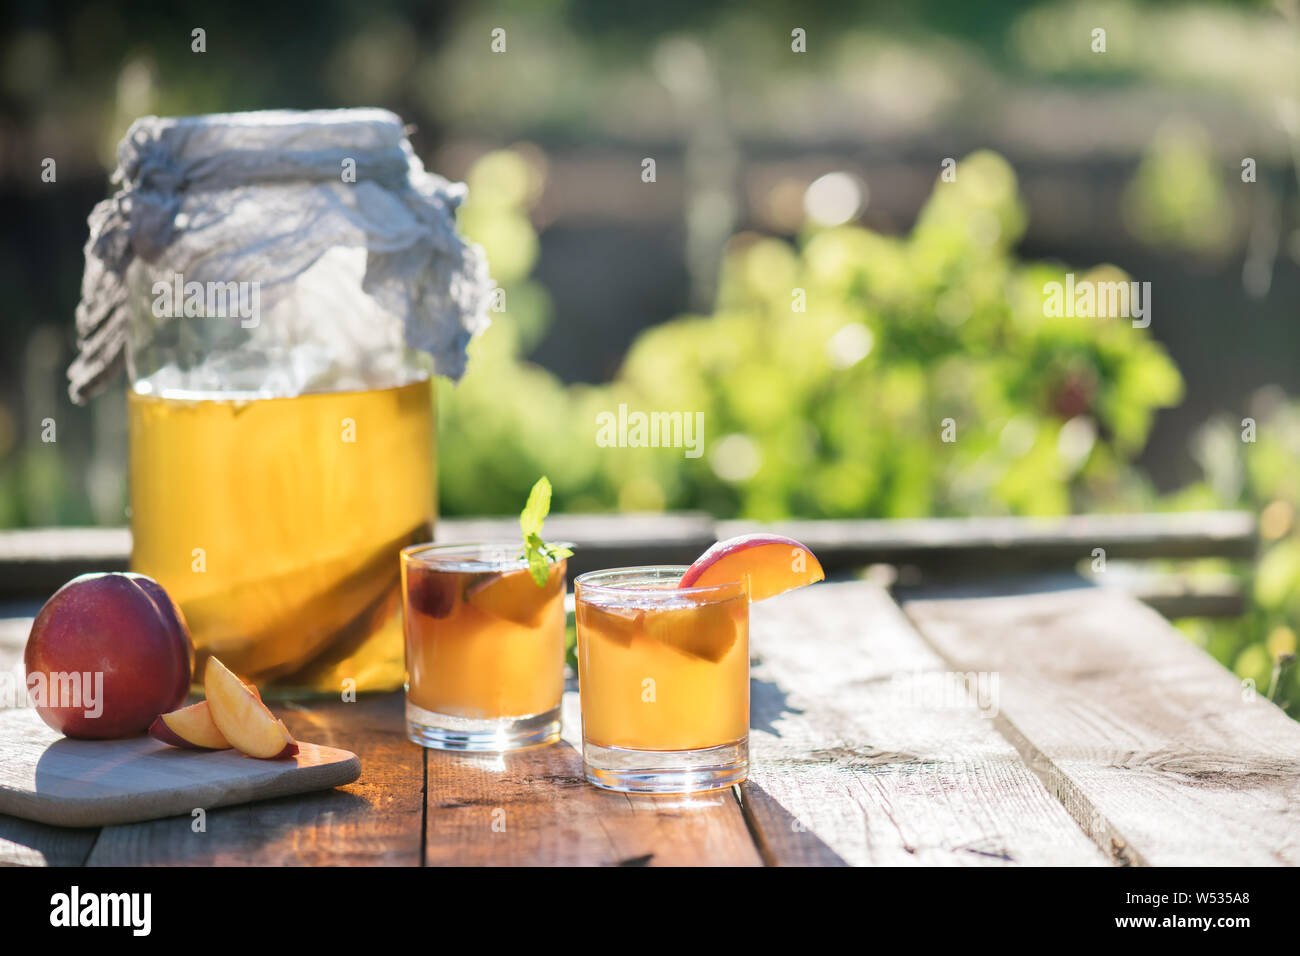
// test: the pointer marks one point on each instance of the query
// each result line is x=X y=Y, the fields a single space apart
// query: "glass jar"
x=275 y=523
x=282 y=287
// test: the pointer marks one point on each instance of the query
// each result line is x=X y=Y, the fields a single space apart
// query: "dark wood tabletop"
x=1060 y=726
x=987 y=722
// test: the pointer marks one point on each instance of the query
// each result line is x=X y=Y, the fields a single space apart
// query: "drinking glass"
x=484 y=648
x=663 y=681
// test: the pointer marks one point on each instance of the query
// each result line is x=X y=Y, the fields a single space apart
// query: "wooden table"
x=1041 y=723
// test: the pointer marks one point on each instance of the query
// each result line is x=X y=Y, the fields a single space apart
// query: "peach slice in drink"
x=617 y=624
x=707 y=631
x=514 y=595
x=771 y=564
x=431 y=593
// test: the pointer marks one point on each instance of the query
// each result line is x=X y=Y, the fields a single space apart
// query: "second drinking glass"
x=484 y=648
x=663 y=675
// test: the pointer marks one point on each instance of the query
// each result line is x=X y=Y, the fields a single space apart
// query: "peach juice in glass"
x=484 y=647
x=663 y=664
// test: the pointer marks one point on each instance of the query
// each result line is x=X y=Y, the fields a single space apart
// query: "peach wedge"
x=190 y=727
x=707 y=631
x=241 y=716
x=513 y=595
x=771 y=563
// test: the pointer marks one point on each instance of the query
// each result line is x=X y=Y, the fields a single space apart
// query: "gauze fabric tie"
x=186 y=186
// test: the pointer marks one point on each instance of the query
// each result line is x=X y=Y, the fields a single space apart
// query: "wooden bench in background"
x=33 y=563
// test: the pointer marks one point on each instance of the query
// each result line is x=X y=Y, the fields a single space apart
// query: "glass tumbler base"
x=665 y=771
x=445 y=732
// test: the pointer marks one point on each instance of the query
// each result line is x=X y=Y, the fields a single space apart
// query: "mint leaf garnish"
x=538 y=552
x=535 y=511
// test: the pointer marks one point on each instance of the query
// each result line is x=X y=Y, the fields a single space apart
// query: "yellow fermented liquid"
x=483 y=640
x=664 y=676
x=276 y=524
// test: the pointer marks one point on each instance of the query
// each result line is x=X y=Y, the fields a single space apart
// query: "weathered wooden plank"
x=23 y=843
x=376 y=821
x=1178 y=595
x=15 y=626
x=866 y=750
x=37 y=561
x=1156 y=750
x=985 y=545
x=33 y=563
x=533 y=808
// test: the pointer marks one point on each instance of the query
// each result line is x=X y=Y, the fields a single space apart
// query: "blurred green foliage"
x=1252 y=464
x=829 y=376
x=1177 y=196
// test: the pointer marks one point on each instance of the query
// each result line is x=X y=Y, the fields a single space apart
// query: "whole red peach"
x=107 y=654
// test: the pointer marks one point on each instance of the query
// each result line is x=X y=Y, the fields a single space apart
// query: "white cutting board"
x=50 y=778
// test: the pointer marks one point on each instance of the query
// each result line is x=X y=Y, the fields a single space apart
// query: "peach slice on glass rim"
x=241 y=716
x=771 y=563
x=190 y=727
